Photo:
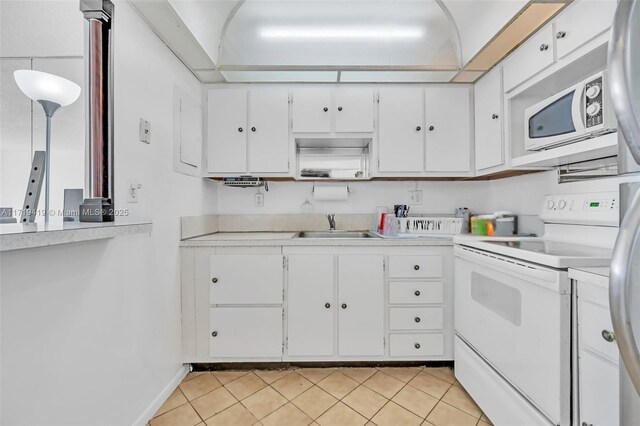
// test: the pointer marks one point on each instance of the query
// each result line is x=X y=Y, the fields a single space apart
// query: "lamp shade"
x=42 y=86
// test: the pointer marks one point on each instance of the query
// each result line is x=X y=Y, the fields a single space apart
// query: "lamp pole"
x=49 y=109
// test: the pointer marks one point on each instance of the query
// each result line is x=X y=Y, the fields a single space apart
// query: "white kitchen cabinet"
x=248 y=131
x=582 y=21
x=311 y=310
x=187 y=132
x=448 y=129
x=530 y=58
x=489 y=144
x=416 y=345
x=227 y=131
x=246 y=278
x=246 y=332
x=422 y=318
x=268 y=130
x=401 y=130
x=412 y=266
x=360 y=295
x=598 y=359
x=353 y=109
x=312 y=110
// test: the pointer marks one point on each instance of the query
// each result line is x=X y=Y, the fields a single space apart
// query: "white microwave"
x=580 y=112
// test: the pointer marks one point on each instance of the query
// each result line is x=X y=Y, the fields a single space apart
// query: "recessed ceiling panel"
x=281 y=76
x=340 y=33
x=396 y=76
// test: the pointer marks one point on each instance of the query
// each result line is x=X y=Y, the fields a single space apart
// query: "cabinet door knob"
x=416 y=267
x=417 y=293
x=240 y=129
x=561 y=34
x=214 y=280
x=214 y=334
x=418 y=128
x=253 y=129
x=417 y=319
x=417 y=345
x=339 y=108
x=544 y=47
x=327 y=305
x=608 y=335
x=431 y=128
x=344 y=306
x=325 y=109
x=494 y=116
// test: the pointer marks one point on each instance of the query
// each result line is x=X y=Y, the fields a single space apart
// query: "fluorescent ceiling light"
x=340 y=32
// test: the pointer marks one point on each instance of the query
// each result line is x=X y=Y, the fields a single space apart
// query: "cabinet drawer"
x=246 y=279
x=415 y=345
x=529 y=59
x=415 y=266
x=415 y=292
x=415 y=319
x=245 y=332
x=593 y=320
x=598 y=391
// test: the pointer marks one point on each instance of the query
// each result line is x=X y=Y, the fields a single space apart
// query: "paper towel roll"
x=331 y=193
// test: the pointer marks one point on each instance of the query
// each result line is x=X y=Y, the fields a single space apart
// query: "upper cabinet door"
x=529 y=59
x=581 y=22
x=361 y=300
x=227 y=133
x=488 y=120
x=353 y=109
x=268 y=131
x=448 y=146
x=312 y=110
x=401 y=129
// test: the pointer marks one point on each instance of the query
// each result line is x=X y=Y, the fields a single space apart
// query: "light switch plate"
x=145 y=131
x=133 y=191
x=259 y=199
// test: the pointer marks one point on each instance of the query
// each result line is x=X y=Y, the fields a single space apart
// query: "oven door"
x=517 y=316
x=556 y=120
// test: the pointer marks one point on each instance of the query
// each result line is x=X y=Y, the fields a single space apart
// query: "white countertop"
x=290 y=239
x=16 y=236
x=592 y=275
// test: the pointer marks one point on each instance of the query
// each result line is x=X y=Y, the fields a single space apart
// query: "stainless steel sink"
x=336 y=234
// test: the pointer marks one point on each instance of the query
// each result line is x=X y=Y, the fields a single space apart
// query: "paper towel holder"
x=313 y=189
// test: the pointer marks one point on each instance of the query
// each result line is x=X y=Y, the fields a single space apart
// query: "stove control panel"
x=600 y=208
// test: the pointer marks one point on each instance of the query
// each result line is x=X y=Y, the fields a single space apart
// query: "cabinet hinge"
x=384 y=265
x=285 y=263
x=378 y=163
x=384 y=342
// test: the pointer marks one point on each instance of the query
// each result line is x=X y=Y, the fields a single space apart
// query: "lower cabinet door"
x=310 y=305
x=245 y=332
x=598 y=391
x=361 y=300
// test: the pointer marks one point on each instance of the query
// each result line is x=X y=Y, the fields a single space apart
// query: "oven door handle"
x=622 y=46
x=620 y=283
x=523 y=271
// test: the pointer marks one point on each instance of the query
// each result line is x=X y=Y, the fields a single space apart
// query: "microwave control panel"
x=593 y=103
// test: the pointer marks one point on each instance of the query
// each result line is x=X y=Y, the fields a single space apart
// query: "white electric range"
x=513 y=310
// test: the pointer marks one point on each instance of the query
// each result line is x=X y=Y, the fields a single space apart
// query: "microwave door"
x=557 y=122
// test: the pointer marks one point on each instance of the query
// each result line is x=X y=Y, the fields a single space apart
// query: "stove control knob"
x=550 y=204
x=593 y=109
x=562 y=204
x=593 y=91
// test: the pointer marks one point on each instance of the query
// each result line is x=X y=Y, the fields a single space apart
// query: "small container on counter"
x=483 y=225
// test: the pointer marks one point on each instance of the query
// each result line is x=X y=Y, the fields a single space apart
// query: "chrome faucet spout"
x=332 y=221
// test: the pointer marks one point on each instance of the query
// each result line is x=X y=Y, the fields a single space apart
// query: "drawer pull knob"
x=240 y=129
x=344 y=306
x=417 y=319
x=431 y=128
x=544 y=47
x=494 y=117
x=608 y=336
x=418 y=128
x=327 y=305
x=417 y=293
x=561 y=34
x=214 y=334
x=325 y=109
x=416 y=267
x=214 y=280
x=339 y=108
x=253 y=129
x=417 y=345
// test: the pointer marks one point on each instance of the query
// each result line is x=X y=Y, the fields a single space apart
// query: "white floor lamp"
x=52 y=92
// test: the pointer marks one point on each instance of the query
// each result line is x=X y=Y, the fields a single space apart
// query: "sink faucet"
x=332 y=221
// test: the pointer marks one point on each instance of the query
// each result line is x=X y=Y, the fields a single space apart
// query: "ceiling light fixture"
x=340 y=33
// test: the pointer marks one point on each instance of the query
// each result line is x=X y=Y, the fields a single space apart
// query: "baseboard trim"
x=162 y=397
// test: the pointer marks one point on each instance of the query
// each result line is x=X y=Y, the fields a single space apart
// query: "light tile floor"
x=387 y=396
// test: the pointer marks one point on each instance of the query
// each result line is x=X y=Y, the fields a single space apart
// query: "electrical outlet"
x=133 y=189
x=259 y=199
x=415 y=197
x=145 y=131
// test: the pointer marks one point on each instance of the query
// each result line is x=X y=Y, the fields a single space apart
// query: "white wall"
x=91 y=331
